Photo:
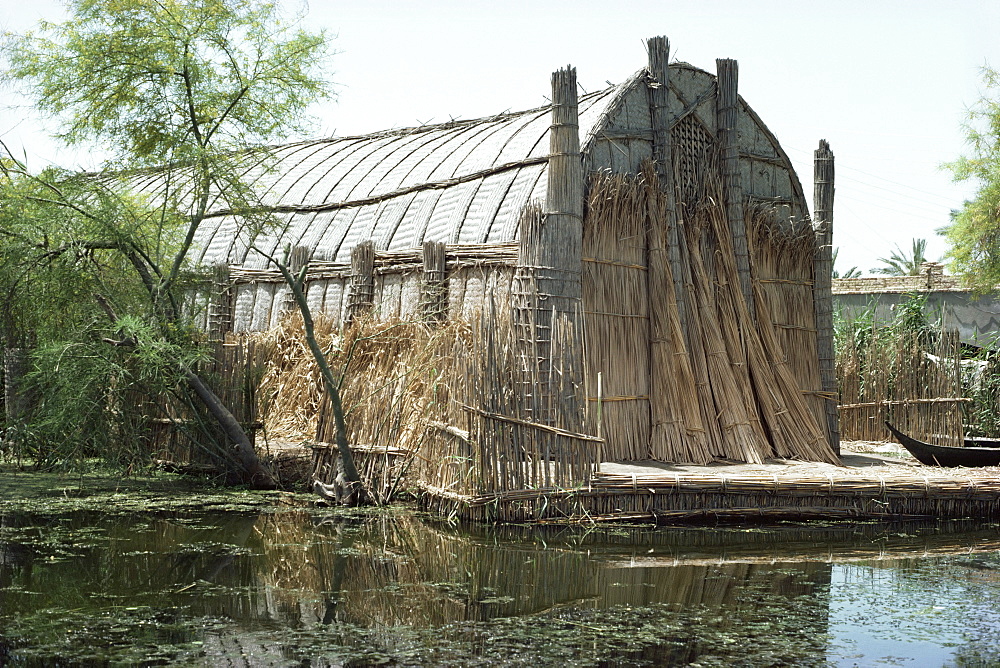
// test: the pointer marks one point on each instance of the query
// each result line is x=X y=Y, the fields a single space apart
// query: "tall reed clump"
x=440 y=405
x=905 y=370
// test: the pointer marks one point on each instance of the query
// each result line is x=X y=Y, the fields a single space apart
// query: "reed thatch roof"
x=462 y=182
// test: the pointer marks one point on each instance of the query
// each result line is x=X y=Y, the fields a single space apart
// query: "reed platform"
x=873 y=482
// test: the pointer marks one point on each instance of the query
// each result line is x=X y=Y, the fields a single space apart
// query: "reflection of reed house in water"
x=636 y=270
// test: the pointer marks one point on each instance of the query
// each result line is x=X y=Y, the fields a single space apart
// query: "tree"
x=62 y=270
x=901 y=264
x=185 y=89
x=853 y=272
x=974 y=232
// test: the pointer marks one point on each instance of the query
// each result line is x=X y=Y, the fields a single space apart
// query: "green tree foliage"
x=974 y=232
x=183 y=89
x=171 y=80
x=899 y=263
x=65 y=249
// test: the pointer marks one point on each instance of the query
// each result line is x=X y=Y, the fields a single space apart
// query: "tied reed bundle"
x=714 y=381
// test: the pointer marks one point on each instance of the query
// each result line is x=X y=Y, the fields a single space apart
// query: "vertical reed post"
x=727 y=112
x=434 y=290
x=658 y=94
x=823 y=191
x=297 y=261
x=662 y=248
x=561 y=238
x=549 y=263
x=362 y=281
x=220 y=307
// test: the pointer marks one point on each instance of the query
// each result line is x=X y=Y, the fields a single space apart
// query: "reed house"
x=636 y=269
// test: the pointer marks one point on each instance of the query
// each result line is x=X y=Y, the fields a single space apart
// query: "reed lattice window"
x=691 y=148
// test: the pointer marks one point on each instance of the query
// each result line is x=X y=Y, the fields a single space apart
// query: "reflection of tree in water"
x=388 y=573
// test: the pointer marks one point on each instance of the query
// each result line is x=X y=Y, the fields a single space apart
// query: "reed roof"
x=461 y=182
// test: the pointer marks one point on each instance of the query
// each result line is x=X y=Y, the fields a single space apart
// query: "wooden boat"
x=945 y=455
x=981 y=442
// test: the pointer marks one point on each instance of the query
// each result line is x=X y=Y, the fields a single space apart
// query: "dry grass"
x=440 y=401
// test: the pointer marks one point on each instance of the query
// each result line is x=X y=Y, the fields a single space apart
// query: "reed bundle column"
x=663 y=243
x=560 y=242
x=361 y=297
x=220 y=307
x=434 y=288
x=823 y=290
x=298 y=258
x=727 y=112
x=549 y=270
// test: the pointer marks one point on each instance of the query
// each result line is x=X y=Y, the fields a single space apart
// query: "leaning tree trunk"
x=347 y=488
x=255 y=473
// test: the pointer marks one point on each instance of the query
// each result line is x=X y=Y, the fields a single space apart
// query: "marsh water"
x=160 y=576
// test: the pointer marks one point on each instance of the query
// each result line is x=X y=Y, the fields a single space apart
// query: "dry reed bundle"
x=773 y=418
x=389 y=372
x=616 y=307
x=449 y=396
x=794 y=430
x=725 y=387
x=291 y=389
x=714 y=315
x=783 y=254
x=677 y=423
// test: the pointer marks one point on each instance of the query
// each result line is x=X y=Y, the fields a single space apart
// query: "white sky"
x=886 y=82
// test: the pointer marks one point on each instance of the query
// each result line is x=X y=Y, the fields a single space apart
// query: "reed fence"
x=909 y=377
x=439 y=404
x=483 y=439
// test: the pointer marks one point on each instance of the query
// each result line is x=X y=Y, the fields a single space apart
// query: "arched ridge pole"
x=823 y=292
x=727 y=136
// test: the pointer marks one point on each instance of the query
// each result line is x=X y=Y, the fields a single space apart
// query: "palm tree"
x=853 y=272
x=899 y=264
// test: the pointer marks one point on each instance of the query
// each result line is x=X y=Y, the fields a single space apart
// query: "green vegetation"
x=853 y=272
x=882 y=358
x=95 y=276
x=974 y=232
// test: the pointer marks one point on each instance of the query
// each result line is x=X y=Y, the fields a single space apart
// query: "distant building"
x=975 y=317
